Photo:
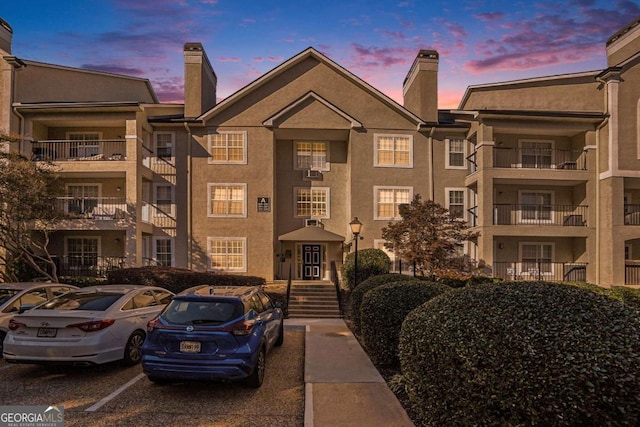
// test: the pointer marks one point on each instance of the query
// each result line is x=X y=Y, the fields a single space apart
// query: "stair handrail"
x=336 y=282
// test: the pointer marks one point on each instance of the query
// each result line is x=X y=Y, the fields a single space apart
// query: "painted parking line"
x=113 y=395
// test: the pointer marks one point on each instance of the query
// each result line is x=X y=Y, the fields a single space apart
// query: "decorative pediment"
x=312 y=111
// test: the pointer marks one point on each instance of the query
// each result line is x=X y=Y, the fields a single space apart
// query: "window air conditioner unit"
x=312 y=223
x=312 y=174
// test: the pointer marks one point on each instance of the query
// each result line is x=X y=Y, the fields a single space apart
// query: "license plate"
x=190 y=346
x=47 y=332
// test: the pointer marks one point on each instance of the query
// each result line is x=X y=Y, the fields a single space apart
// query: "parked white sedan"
x=91 y=325
x=19 y=296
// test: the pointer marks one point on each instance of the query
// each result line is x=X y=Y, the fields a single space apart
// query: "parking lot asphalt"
x=113 y=395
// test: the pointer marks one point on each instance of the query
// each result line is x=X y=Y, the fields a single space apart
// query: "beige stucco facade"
x=265 y=182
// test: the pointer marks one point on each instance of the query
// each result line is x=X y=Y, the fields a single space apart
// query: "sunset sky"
x=478 y=41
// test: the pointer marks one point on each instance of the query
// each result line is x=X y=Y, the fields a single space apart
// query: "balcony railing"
x=631 y=214
x=85 y=150
x=96 y=208
x=524 y=214
x=632 y=272
x=536 y=158
x=87 y=266
x=541 y=271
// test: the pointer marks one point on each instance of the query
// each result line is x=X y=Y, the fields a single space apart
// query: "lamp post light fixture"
x=356 y=227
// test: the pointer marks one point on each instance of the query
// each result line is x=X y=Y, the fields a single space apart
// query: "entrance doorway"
x=311 y=262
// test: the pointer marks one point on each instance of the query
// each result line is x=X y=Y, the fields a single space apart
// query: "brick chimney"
x=200 y=81
x=420 y=87
x=6 y=34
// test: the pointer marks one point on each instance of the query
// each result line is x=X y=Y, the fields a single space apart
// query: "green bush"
x=371 y=262
x=522 y=354
x=629 y=296
x=179 y=279
x=383 y=310
x=355 y=300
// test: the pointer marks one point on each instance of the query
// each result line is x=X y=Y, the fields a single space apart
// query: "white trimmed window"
x=228 y=147
x=227 y=200
x=536 y=153
x=163 y=251
x=82 y=199
x=163 y=200
x=311 y=155
x=393 y=151
x=164 y=142
x=536 y=258
x=456 y=152
x=84 y=144
x=455 y=202
x=227 y=253
x=388 y=201
x=82 y=252
x=535 y=206
x=312 y=202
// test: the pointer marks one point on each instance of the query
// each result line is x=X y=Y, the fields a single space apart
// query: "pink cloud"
x=489 y=16
x=229 y=59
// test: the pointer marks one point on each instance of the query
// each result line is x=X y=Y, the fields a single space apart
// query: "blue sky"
x=478 y=41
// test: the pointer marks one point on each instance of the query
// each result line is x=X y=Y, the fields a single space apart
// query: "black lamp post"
x=356 y=226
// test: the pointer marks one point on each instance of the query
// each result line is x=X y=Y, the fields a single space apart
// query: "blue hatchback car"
x=213 y=333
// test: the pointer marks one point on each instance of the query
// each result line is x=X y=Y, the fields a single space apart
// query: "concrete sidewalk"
x=342 y=387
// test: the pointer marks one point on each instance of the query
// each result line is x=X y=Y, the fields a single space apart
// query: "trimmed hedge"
x=371 y=262
x=179 y=279
x=355 y=300
x=383 y=310
x=522 y=353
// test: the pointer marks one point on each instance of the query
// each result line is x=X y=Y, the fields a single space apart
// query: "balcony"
x=521 y=214
x=96 y=208
x=72 y=150
x=631 y=272
x=536 y=158
x=542 y=271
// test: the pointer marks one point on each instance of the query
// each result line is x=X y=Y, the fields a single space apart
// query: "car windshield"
x=188 y=312
x=5 y=294
x=94 y=301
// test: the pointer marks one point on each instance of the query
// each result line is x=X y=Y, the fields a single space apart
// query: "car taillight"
x=13 y=325
x=153 y=324
x=241 y=328
x=93 y=326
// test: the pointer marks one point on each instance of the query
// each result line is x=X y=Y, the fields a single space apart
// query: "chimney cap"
x=428 y=53
x=6 y=25
x=193 y=46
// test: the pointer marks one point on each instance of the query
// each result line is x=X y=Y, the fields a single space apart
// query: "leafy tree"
x=430 y=238
x=27 y=215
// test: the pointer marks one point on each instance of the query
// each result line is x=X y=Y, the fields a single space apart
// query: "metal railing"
x=631 y=214
x=97 y=208
x=541 y=271
x=336 y=282
x=631 y=272
x=72 y=150
x=537 y=158
x=522 y=214
x=87 y=266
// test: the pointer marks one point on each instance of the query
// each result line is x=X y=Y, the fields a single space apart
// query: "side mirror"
x=278 y=304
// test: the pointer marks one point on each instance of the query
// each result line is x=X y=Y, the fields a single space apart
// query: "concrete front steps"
x=313 y=299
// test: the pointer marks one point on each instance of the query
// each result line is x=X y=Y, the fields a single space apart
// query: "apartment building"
x=266 y=181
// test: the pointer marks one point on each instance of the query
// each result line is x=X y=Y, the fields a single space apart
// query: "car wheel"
x=2 y=336
x=133 y=349
x=280 y=339
x=257 y=376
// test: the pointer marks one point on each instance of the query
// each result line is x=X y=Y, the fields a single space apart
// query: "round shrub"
x=371 y=262
x=355 y=300
x=383 y=310
x=522 y=354
x=629 y=296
